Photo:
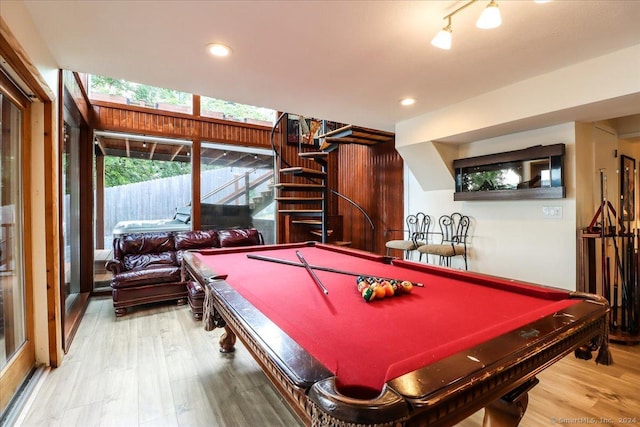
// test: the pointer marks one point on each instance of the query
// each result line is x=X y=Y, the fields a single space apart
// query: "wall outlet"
x=552 y=211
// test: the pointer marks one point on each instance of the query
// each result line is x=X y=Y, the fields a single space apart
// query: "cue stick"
x=615 y=299
x=606 y=285
x=312 y=273
x=319 y=267
x=603 y=226
x=626 y=301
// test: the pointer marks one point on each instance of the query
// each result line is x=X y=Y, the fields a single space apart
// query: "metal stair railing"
x=364 y=214
x=229 y=183
x=248 y=185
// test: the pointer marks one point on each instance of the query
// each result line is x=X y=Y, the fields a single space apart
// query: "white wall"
x=512 y=238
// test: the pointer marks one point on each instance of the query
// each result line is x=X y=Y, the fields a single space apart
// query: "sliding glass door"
x=17 y=354
x=71 y=210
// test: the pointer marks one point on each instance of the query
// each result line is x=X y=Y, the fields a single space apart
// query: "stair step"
x=300 y=171
x=301 y=211
x=357 y=135
x=293 y=186
x=299 y=199
x=307 y=221
x=318 y=156
x=314 y=154
x=319 y=232
x=327 y=146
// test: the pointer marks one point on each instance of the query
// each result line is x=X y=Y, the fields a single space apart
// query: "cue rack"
x=617 y=261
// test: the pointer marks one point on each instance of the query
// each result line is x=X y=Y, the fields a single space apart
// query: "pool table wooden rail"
x=448 y=391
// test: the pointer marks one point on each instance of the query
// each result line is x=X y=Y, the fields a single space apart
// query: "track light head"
x=490 y=17
x=442 y=40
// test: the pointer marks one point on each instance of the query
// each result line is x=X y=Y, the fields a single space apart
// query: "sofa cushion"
x=196 y=239
x=147 y=276
x=142 y=261
x=145 y=243
x=239 y=237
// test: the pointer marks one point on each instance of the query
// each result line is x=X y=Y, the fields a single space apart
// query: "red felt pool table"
x=461 y=342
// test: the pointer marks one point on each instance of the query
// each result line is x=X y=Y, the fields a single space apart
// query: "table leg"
x=505 y=414
x=227 y=341
x=510 y=408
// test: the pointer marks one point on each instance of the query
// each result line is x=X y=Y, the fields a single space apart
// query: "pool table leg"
x=505 y=414
x=509 y=409
x=227 y=341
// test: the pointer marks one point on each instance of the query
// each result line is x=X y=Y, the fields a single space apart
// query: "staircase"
x=304 y=200
x=246 y=184
x=261 y=201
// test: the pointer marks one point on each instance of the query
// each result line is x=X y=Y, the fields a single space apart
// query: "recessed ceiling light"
x=218 y=49
x=407 y=101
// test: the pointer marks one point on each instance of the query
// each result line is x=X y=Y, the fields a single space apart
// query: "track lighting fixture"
x=490 y=18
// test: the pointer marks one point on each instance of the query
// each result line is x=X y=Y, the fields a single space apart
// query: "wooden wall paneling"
x=372 y=177
x=332 y=181
x=354 y=183
x=389 y=179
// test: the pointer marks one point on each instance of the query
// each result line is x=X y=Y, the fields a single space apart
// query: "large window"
x=227 y=110
x=236 y=188
x=124 y=92
x=147 y=183
x=129 y=93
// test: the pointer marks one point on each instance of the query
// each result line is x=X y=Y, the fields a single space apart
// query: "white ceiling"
x=348 y=61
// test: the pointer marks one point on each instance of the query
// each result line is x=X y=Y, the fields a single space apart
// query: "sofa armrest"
x=115 y=266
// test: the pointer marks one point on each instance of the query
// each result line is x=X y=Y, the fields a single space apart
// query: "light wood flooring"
x=157 y=366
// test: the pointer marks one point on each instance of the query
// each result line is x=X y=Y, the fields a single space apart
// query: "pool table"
x=461 y=342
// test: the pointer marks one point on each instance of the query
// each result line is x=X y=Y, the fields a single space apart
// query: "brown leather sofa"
x=146 y=267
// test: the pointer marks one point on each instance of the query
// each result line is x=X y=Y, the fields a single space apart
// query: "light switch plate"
x=552 y=211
